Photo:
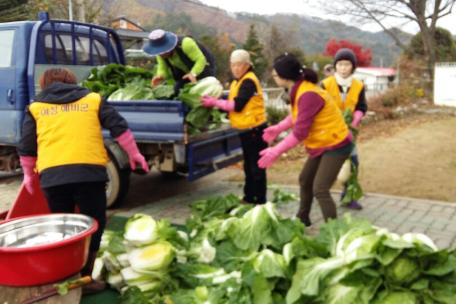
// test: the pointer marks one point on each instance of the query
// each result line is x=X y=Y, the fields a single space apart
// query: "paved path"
x=398 y=214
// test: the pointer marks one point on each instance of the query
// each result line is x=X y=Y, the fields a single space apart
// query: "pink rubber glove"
x=270 y=155
x=357 y=116
x=128 y=143
x=271 y=133
x=28 y=164
x=222 y=104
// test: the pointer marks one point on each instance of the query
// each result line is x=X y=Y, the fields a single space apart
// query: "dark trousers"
x=255 y=178
x=316 y=178
x=90 y=197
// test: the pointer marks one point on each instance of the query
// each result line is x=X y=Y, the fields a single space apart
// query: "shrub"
x=275 y=115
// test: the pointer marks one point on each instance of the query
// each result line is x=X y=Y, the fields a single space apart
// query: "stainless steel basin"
x=43 y=229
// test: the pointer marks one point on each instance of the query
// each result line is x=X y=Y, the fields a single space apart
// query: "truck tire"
x=118 y=184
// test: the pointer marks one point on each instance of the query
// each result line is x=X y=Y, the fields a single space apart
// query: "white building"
x=376 y=80
x=444 y=84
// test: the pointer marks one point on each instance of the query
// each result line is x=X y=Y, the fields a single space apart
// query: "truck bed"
x=163 y=121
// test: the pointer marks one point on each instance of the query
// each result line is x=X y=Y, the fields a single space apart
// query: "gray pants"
x=316 y=178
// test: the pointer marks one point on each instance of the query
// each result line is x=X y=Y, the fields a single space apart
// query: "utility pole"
x=70 y=10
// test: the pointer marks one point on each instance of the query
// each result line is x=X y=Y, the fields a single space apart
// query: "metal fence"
x=276 y=98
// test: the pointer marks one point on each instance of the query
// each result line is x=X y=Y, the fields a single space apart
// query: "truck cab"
x=28 y=48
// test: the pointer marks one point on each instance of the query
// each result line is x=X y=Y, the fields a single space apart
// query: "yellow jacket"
x=328 y=128
x=351 y=99
x=69 y=133
x=253 y=114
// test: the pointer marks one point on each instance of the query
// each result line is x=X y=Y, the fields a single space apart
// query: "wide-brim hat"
x=160 y=42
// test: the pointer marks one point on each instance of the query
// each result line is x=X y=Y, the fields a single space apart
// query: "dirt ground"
x=412 y=156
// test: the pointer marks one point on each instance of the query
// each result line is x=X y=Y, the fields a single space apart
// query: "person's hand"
x=225 y=105
x=137 y=158
x=357 y=117
x=28 y=164
x=190 y=77
x=128 y=143
x=208 y=101
x=29 y=182
x=268 y=157
x=271 y=133
x=156 y=80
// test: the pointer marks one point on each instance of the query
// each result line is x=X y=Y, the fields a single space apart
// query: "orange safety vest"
x=328 y=128
x=352 y=97
x=69 y=133
x=253 y=114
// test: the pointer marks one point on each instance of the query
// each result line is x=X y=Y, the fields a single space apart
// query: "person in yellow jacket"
x=62 y=145
x=246 y=109
x=349 y=94
x=317 y=123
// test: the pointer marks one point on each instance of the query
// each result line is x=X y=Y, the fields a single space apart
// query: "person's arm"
x=360 y=109
x=118 y=127
x=111 y=119
x=362 y=104
x=28 y=143
x=27 y=150
x=246 y=91
x=191 y=49
x=162 y=67
x=309 y=105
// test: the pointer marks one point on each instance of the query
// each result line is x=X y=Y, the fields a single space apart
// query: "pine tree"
x=255 y=48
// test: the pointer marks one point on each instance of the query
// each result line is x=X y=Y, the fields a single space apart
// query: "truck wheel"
x=118 y=184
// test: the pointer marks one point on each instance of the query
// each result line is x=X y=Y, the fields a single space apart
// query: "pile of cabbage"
x=118 y=82
x=228 y=252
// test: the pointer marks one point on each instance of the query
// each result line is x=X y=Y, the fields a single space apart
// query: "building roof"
x=129 y=21
x=376 y=71
x=123 y=33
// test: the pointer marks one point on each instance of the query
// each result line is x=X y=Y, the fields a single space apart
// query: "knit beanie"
x=288 y=66
x=345 y=54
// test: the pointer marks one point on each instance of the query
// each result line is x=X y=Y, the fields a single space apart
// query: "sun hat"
x=240 y=55
x=160 y=42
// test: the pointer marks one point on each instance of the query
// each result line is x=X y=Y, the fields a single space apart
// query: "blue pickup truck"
x=28 y=48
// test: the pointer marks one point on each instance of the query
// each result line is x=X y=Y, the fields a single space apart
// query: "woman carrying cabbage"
x=247 y=113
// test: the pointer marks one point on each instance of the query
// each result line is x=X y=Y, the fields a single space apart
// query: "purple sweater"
x=309 y=105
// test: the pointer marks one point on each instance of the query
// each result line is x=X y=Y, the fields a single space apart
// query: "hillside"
x=308 y=33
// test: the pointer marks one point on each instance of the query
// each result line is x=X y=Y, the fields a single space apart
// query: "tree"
x=446 y=50
x=276 y=43
x=363 y=55
x=221 y=47
x=255 y=48
x=83 y=10
x=13 y=10
x=425 y=13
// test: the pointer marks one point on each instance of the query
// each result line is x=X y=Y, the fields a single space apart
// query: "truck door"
x=7 y=88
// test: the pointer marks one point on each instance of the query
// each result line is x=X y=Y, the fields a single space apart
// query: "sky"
x=302 y=7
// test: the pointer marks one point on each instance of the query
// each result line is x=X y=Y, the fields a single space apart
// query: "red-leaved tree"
x=363 y=55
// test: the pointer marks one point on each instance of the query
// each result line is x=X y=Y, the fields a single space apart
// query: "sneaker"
x=353 y=205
